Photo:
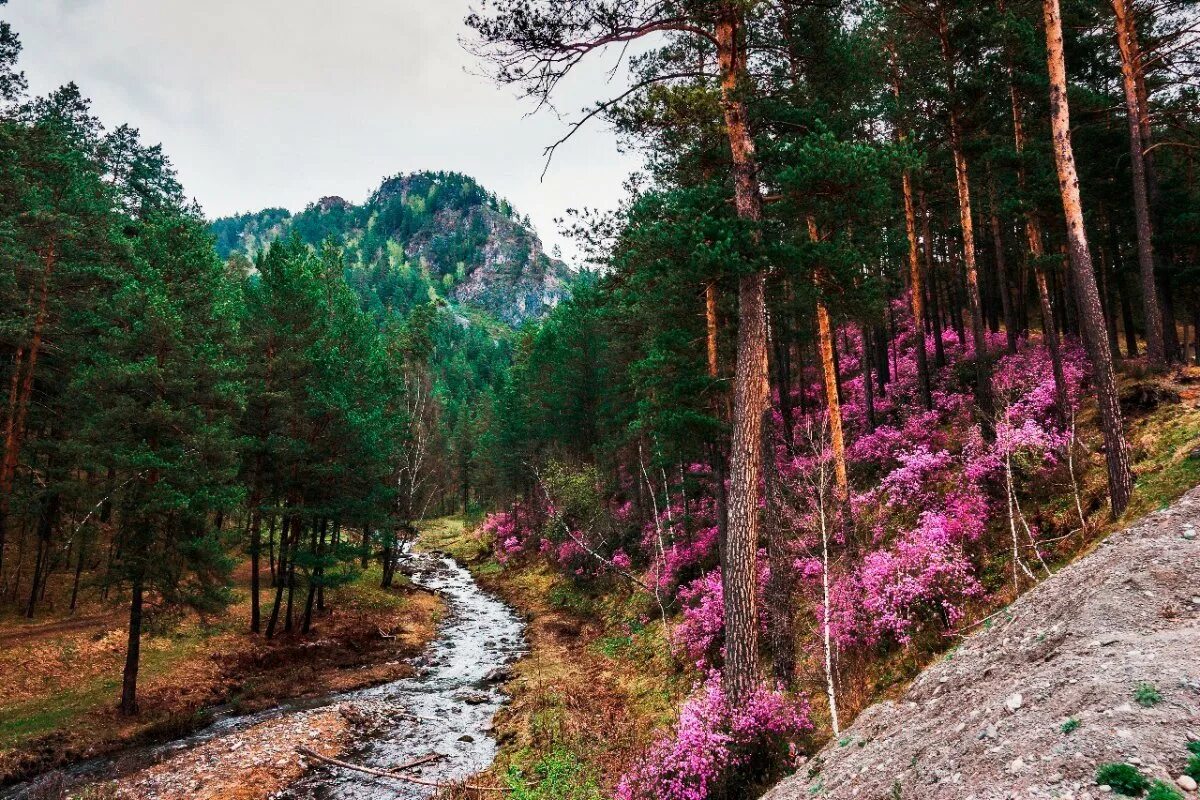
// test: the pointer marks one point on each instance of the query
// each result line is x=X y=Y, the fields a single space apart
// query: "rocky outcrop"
x=1062 y=681
x=469 y=245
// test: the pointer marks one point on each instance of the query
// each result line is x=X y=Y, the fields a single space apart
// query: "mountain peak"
x=437 y=231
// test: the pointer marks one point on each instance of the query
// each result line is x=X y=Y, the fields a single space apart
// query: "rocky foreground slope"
x=993 y=719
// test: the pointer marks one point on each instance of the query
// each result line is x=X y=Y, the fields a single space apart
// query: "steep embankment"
x=993 y=719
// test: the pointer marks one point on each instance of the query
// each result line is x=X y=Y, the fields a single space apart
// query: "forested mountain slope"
x=1097 y=665
x=418 y=236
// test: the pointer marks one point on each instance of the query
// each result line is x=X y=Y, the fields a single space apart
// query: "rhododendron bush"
x=716 y=743
x=935 y=504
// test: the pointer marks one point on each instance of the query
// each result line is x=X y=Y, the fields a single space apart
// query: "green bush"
x=1194 y=748
x=1146 y=695
x=1070 y=725
x=1193 y=767
x=1160 y=790
x=1124 y=779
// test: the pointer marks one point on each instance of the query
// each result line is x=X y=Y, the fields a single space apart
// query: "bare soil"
x=1047 y=690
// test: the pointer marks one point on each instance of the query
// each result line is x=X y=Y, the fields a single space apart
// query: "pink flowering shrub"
x=700 y=634
x=925 y=571
x=513 y=533
x=717 y=746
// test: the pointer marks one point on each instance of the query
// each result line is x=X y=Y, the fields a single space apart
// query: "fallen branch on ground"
x=380 y=773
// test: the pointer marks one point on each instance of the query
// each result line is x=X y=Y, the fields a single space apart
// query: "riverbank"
x=58 y=702
x=596 y=684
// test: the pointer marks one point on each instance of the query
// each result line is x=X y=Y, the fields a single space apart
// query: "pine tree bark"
x=916 y=283
x=750 y=386
x=939 y=348
x=129 y=704
x=255 y=563
x=779 y=591
x=1151 y=302
x=1120 y=479
x=829 y=375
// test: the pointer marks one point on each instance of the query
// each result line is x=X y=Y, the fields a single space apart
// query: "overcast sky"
x=279 y=102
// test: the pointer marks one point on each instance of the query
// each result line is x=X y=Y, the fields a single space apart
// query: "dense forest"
x=854 y=357
x=176 y=406
x=844 y=375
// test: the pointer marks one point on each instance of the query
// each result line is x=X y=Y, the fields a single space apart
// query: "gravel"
x=1075 y=647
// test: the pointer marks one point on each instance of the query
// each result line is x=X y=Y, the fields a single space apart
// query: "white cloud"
x=278 y=102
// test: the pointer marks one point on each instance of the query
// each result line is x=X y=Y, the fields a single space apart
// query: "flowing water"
x=450 y=703
x=446 y=708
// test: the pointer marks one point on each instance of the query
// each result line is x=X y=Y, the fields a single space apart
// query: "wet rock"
x=473 y=698
x=497 y=675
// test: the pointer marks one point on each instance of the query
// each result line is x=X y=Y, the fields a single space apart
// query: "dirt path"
x=33 y=632
x=987 y=722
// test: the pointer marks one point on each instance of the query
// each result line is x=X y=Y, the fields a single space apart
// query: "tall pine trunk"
x=750 y=387
x=916 y=283
x=1151 y=305
x=1006 y=306
x=21 y=396
x=133 y=650
x=255 y=563
x=1037 y=252
x=935 y=312
x=1120 y=479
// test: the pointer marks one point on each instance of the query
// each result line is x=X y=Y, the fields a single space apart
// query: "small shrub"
x=559 y=775
x=1193 y=767
x=1124 y=779
x=1160 y=790
x=1194 y=748
x=1146 y=695
x=1070 y=725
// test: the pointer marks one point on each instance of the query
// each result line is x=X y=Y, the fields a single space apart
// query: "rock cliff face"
x=466 y=244
x=1058 y=684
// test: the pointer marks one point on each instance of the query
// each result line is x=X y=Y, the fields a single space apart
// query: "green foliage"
x=1192 y=769
x=1147 y=695
x=1070 y=726
x=559 y=775
x=1194 y=748
x=1124 y=779
x=415 y=239
x=1161 y=790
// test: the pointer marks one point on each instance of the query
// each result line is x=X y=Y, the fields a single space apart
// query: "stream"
x=445 y=708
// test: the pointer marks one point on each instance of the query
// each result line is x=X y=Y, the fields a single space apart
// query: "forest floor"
x=63 y=673
x=597 y=682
